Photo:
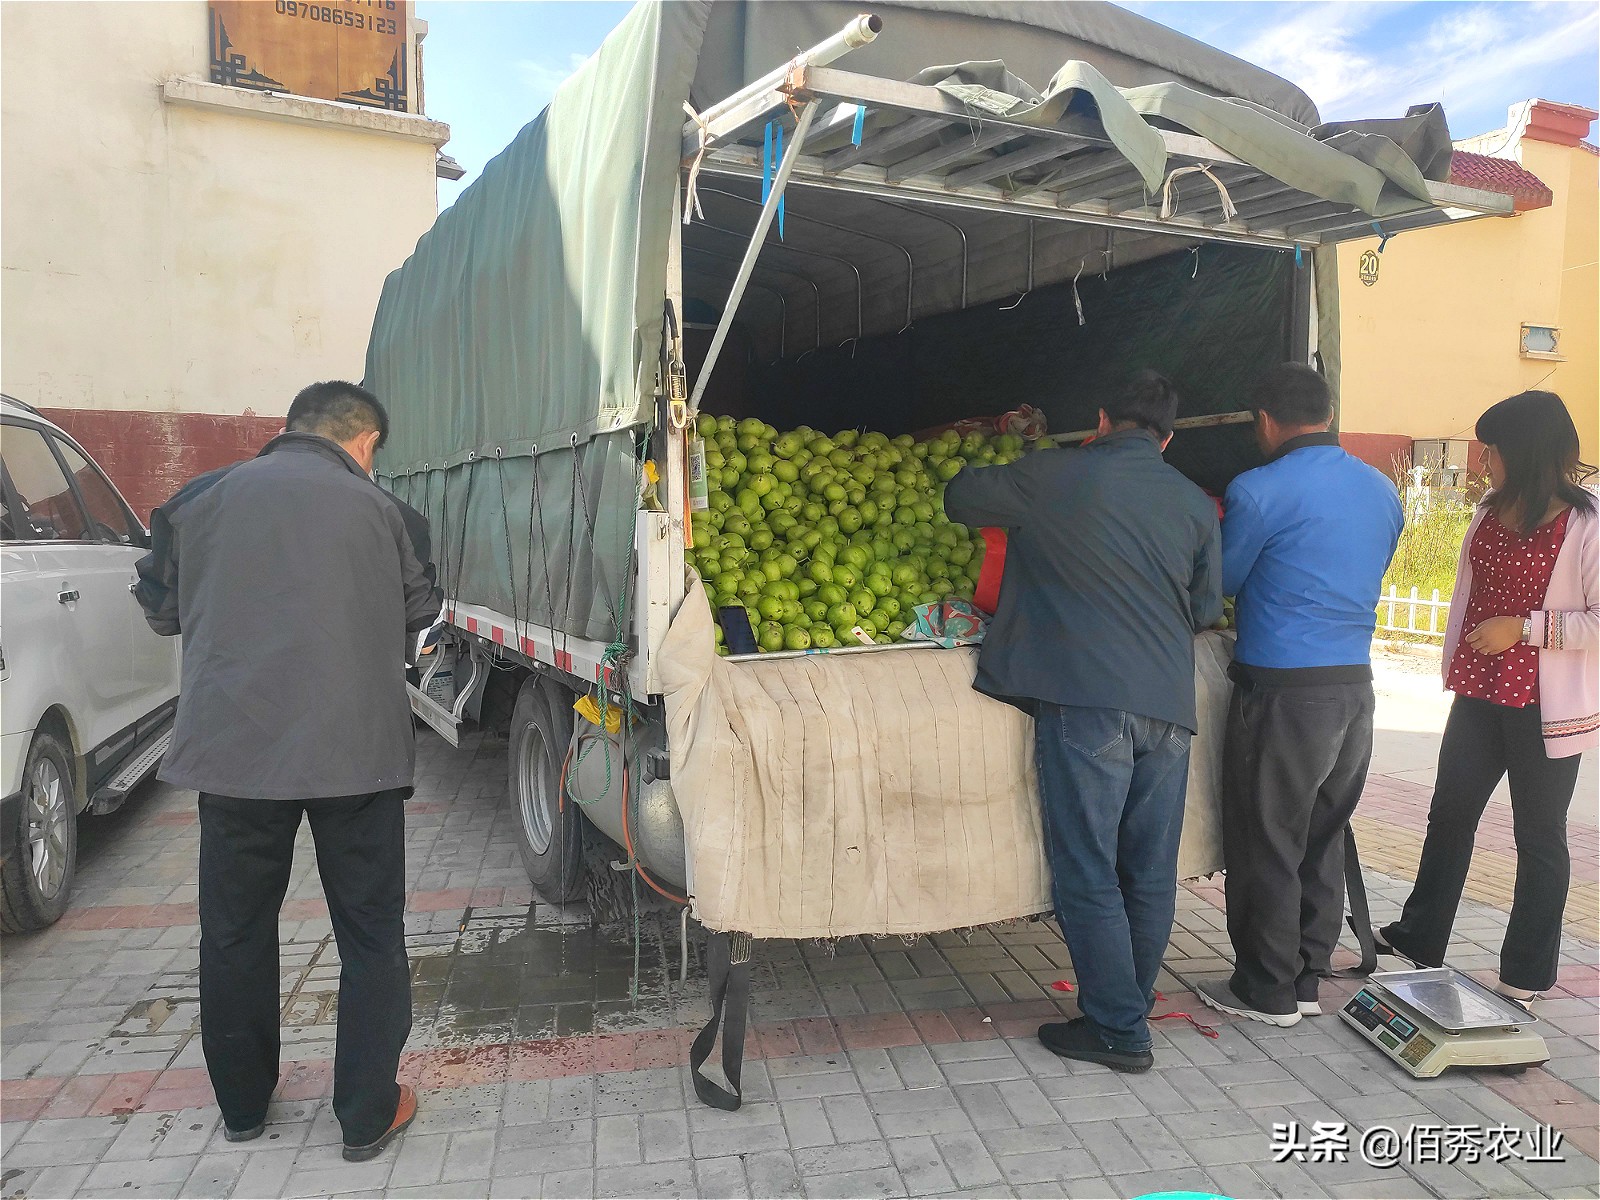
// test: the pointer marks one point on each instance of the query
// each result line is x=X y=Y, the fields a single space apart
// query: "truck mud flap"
x=728 y=972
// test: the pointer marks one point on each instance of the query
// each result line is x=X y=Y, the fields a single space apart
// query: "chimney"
x=1559 y=124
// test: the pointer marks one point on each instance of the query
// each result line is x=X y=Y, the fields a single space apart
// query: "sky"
x=490 y=66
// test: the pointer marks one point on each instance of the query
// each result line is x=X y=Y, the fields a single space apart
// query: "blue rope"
x=771 y=155
x=777 y=156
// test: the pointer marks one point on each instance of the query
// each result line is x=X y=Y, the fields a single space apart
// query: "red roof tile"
x=1501 y=175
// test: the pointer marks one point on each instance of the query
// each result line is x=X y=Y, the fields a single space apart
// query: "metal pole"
x=805 y=279
x=1208 y=421
x=769 y=212
x=783 y=306
x=960 y=232
x=857 y=33
x=788 y=249
x=911 y=267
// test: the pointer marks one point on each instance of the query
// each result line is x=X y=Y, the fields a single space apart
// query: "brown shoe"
x=405 y=1113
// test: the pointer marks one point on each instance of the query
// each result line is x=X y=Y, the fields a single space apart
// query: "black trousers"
x=1294 y=764
x=246 y=851
x=1483 y=743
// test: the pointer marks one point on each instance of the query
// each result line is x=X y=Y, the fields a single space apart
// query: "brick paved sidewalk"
x=876 y=1069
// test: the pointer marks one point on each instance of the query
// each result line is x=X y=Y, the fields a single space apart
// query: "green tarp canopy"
x=517 y=348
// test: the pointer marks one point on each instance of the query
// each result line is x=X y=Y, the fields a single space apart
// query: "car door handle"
x=70 y=596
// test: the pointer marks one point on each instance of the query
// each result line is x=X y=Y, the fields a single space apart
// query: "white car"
x=87 y=690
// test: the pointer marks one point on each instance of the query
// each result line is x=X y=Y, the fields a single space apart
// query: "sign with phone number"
x=349 y=50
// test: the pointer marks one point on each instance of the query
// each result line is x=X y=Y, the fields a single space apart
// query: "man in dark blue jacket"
x=1112 y=567
x=1305 y=543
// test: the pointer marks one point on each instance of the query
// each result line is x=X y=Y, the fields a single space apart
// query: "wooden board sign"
x=350 y=50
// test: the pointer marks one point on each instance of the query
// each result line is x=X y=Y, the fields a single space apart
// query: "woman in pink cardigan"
x=1524 y=675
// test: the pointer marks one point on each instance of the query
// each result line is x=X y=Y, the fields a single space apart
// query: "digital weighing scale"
x=1429 y=1020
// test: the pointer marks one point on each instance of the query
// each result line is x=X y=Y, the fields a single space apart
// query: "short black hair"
x=1293 y=395
x=337 y=410
x=1148 y=400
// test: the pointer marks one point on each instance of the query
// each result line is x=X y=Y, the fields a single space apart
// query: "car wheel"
x=37 y=878
x=551 y=833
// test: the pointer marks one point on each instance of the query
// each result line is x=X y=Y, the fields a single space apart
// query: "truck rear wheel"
x=551 y=833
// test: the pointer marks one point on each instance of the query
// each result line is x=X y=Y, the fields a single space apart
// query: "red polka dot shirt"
x=1510 y=576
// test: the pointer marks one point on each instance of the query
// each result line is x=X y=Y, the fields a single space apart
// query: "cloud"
x=1477 y=68
x=1368 y=59
x=1479 y=58
x=1464 y=31
x=1319 y=47
x=543 y=76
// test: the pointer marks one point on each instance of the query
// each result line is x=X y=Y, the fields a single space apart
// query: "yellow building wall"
x=1579 y=378
x=1435 y=340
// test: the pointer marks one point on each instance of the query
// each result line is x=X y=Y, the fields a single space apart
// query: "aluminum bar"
x=726 y=118
x=1003 y=164
x=769 y=212
x=1209 y=421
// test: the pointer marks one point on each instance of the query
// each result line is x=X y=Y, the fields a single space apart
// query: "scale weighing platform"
x=1430 y=1020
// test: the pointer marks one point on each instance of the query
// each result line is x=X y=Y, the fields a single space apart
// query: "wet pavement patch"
x=533 y=975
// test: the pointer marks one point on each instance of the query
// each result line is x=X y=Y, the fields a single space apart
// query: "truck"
x=705 y=222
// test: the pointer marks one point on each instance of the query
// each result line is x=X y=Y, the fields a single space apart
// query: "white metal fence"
x=1413 y=614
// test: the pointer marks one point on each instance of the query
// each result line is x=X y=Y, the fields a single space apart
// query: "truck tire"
x=37 y=877
x=551 y=834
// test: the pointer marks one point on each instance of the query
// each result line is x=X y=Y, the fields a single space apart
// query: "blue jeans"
x=1112 y=786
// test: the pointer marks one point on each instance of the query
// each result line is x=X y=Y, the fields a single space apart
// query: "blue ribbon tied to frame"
x=771 y=156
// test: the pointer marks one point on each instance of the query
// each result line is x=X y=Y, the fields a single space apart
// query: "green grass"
x=1429 y=549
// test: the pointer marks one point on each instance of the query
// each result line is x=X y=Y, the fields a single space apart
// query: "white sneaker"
x=1519 y=995
x=1309 y=1008
x=1218 y=995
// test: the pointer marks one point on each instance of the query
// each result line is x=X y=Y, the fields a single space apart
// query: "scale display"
x=1430 y=1020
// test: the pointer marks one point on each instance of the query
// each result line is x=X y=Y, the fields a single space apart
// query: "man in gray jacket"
x=296 y=584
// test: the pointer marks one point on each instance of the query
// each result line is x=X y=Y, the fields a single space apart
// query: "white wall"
x=167 y=258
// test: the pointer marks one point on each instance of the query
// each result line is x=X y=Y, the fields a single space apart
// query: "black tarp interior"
x=1210 y=318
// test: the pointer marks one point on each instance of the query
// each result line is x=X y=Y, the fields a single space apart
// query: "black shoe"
x=1078 y=1039
x=245 y=1135
x=1385 y=945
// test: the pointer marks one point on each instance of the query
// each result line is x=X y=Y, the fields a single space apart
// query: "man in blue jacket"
x=1306 y=540
x=1111 y=569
